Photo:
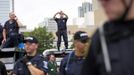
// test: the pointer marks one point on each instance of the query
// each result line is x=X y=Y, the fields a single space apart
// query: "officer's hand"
x=27 y=59
x=16 y=18
x=3 y=41
x=57 y=13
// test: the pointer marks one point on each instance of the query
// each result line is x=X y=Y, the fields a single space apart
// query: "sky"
x=33 y=12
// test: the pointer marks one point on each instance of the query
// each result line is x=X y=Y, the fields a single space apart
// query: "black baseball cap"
x=30 y=39
x=81 y=36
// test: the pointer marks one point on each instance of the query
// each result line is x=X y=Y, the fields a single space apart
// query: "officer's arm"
x=66 y=15
x=55 y=15
x=62 y=68
x=18 y=22
x=15 y=69
x=35 y=71
x=4 y=33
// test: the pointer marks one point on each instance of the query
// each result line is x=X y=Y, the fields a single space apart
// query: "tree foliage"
x=45 y=38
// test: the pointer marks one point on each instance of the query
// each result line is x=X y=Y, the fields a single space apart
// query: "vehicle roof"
x=55 y=51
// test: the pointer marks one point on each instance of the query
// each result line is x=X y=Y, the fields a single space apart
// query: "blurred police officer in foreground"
x=32 y=63
x=116 y=55
x=72 y=63
x=10 y=31
x=62 y=28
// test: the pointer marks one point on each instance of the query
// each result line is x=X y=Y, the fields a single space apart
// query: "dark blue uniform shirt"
x=21 y=68
x=11 y=27
x=120 y=43
x=61 y=23
x=74 y=65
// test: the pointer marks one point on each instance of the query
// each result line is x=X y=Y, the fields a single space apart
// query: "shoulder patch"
x=45 y=64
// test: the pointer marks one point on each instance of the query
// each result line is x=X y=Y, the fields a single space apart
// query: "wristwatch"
x=28 y=63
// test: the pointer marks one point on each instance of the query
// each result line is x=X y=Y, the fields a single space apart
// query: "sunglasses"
x=84 y=41
x=106 y=0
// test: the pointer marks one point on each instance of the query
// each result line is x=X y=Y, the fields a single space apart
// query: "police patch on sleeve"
x=45 y=64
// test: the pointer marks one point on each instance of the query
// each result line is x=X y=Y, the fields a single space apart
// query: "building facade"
x=99 y=14
x=85 y=8
x=86 y=12
x=80 y=12
x=6 y=6
x=50 y=24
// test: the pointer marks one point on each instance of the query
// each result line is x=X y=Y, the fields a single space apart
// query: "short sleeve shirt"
x=61 y=23
x=38 y=61
x=11 y=27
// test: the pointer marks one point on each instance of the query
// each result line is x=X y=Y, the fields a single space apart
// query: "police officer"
x=62 y=28
x=10 y=31
x=111 y=51
x=72 y=63
x=32 y=63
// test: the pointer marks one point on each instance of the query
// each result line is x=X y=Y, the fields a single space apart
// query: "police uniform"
x=73 y=67
x=62 y=31
x=21 y=68
x=120 y=42
x=12 y=30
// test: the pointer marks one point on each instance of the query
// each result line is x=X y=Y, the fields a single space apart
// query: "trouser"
x=12 y=41
x=62 y=33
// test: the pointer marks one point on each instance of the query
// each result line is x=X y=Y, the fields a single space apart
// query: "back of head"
x=81 y=36
x=118 y=10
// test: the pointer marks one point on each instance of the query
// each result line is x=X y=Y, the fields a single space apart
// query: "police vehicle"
x=58 y=54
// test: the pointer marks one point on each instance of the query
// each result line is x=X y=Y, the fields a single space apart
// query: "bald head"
x=12 y=15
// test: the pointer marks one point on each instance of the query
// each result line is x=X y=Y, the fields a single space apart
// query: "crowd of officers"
x=34 y=63
x=111 y=50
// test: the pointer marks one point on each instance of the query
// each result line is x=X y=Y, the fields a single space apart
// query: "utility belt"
x=62 y=29
x=12 y=34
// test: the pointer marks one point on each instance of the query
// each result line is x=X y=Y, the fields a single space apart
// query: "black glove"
x=26 y=59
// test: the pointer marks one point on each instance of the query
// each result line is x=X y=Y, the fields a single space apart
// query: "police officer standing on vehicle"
x=10 y=31
x=62 y=28
x=72 y=63
x=112 y=48
x=32 y=63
